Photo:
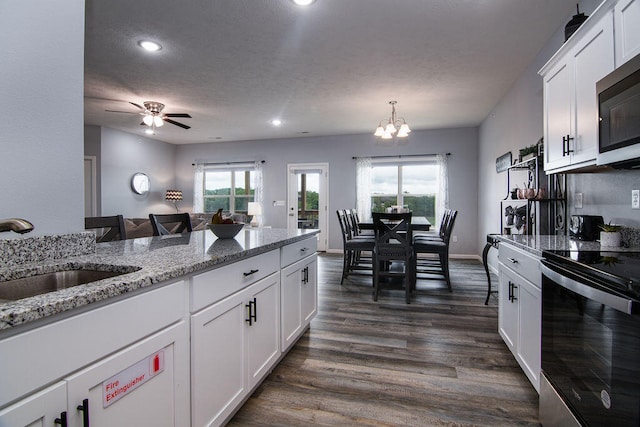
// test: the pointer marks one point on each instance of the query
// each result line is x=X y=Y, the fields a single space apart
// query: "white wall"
x=338 y=151
x=41 y=105
x=122 y=155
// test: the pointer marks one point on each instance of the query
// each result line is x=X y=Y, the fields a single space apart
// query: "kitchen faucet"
x=18 y=225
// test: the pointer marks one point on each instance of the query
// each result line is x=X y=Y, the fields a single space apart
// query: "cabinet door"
x=39 y=409
x=529 y=330
x=291 y=288
x=593 y=59
x=508 y=309
x=263 y=334
x=218 y=368
x=309 y=294
x=557 y=114
x=145 y=384
x=627 y=17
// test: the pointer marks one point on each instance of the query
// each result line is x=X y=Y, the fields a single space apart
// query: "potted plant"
x=610 y=235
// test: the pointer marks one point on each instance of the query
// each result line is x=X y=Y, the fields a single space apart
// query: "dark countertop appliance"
x=590 y=338
x=585 y=227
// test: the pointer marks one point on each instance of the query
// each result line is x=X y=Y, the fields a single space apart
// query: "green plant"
x=530 y=149
x=610 y=228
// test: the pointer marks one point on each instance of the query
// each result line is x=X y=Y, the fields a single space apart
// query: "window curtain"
x=258 y=192
x=198 y=189
x=363 y=188
x=443 y=187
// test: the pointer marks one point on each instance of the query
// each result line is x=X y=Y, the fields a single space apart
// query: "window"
x=230 y=190
x=409 y=184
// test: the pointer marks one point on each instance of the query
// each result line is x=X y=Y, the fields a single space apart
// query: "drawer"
x=524 y=263
x=214 y=285
x=298 y=250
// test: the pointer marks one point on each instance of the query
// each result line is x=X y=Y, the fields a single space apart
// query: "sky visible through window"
x=416 y=179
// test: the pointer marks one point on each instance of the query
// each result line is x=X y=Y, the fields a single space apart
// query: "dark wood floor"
x=438 y=361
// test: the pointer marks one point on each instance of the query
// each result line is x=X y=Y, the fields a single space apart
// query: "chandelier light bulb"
x=394 y=124
x=404 y=129
x=390 y=128
x=379 y=131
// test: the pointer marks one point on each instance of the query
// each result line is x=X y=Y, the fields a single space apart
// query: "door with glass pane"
x=307 y=199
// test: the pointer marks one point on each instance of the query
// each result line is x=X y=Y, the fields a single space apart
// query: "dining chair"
x=439 y=266
x=112 y=227
x=393 y=255
x=170 y=223
x=439 y=236
x=354 y=260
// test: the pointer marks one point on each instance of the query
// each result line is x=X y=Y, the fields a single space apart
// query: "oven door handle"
x=622 y=304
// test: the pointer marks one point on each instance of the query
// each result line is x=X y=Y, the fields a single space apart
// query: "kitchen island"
x=183 y=340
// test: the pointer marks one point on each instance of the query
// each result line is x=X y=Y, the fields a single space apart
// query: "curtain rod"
x=400 y=156
x=229 y=163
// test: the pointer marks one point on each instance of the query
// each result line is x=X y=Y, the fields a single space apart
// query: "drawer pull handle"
x=250 y=272
x=85 y=412
x=303 y=250
x=513 y=260
x=62 y=420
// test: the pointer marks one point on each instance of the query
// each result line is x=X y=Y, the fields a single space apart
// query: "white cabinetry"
x=519 y=308
x=627 y=25
x=299 y=298
x=107 y=341
x=39 y=409
x=570 y=104
x=234 y=341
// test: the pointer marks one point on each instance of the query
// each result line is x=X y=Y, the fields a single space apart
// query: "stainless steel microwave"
x=619 y=115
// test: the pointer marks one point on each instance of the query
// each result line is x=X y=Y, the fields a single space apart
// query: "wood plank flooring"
x=438 y=361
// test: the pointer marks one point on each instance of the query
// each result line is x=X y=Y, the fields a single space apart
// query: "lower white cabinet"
x=234 y=344
x=520 y=309
x=39 y=409
x=145 y=384
x=299 y=298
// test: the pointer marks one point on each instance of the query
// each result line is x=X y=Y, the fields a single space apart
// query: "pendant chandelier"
x=394 y=125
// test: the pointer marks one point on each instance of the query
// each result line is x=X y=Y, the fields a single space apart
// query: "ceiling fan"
x=153 y=116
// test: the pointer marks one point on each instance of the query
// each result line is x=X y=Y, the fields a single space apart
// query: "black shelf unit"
x=545 y=211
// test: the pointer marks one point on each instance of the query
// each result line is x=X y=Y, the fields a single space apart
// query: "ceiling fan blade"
x=139 y=106
x=126 y=112
x=173 y=122
x=185 y=115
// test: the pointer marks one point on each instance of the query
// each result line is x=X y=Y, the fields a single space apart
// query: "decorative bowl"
x=226 y=231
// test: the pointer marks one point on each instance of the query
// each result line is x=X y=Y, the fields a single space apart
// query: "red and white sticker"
x=124 y=382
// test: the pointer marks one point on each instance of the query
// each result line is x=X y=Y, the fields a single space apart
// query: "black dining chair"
x=112 y=227
x=440 y=266
x=393 y=255
x=355 y=261
x=170 y=223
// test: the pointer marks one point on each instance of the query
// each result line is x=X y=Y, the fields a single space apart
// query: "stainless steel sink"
x=16 y=289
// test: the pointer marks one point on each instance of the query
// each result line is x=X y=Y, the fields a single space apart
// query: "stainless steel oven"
x=590 y=339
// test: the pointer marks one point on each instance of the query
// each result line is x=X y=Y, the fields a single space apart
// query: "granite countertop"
x=537 y=244
x=156 y=259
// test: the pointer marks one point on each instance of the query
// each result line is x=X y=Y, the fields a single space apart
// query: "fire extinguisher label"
x=124 y=382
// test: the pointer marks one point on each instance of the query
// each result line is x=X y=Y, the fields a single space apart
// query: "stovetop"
x=618 y=270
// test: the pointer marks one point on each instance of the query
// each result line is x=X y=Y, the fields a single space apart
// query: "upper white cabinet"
x=627 y=25
x=570 y=103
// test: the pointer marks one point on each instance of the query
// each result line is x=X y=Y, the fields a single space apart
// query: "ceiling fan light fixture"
x=149 y=45
x=149 y=131
x=148 y=120
x=157 y=120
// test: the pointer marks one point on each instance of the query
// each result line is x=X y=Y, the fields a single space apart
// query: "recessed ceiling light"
x=303 y=2
x=276 y=122
x=149 y=45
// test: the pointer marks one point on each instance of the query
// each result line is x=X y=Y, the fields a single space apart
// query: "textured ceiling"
x=327 y=69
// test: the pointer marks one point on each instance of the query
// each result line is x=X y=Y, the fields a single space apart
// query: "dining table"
x=418 y=223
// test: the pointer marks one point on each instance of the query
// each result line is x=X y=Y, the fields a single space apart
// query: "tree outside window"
x=230 y=190
x=413 y=186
